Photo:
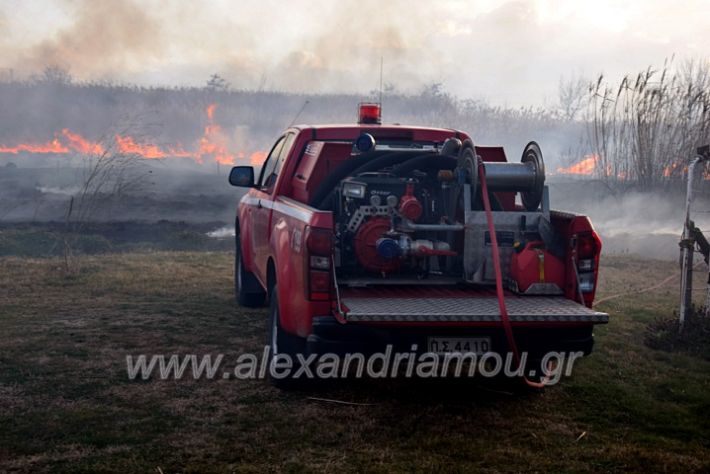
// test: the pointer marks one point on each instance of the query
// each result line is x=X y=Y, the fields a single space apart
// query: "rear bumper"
x=330 y=336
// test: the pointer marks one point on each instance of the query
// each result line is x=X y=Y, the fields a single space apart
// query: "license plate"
x=448 y=345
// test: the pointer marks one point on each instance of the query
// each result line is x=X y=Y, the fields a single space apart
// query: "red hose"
x=505 y=321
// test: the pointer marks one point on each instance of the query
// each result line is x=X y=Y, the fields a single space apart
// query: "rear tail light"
x=320 y=284
x=319 y=246
x=319 y=242
x=587 y=247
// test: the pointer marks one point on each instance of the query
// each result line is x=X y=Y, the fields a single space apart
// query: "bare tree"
x=56 y=75
x=572 y=96
x=107 y=174
x=217 y=83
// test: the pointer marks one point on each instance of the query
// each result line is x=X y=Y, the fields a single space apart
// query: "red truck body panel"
x=272 y=223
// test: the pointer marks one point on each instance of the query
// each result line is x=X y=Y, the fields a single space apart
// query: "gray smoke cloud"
x=105 y=37
x=508 y=52
x=633 y=222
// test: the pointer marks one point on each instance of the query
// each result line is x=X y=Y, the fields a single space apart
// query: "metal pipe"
x=410 y=226
x=340 y=315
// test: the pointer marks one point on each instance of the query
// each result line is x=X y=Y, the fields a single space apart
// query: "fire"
x=672 y=170
x=213 y=144
x=55 y=146
x=129 y=146
x=585 y=167
x=588 y=165
x=79 y=144
x=257 y=158
x=213 y=141
x=679 y=169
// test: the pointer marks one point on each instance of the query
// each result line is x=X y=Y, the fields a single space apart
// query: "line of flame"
x=588 y=165
x=584 y=167
x=213 y=143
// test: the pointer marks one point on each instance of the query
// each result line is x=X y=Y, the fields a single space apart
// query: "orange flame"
x=678 y=169
x=128 y=146
x=588 y=165
x=257 y=158
x=55 y=146
x=585 y=167
x=213 y=143
x=81 y=145
x=674 y=169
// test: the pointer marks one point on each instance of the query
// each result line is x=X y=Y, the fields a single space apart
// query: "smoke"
x=642 y=223
x=347 y=47
x=251 y=45
x=105 y=37
x=4 y=47
x=508 y=52
x=63 y=191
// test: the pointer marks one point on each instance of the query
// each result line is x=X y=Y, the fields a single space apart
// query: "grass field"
x=66 y=403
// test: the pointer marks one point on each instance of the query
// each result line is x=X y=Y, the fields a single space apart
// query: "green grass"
x=48 y=239
x=67 y=405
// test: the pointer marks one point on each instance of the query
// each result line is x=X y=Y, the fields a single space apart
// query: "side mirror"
x=242 y=176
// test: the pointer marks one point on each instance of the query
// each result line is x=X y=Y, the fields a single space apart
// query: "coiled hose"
x=360 y=164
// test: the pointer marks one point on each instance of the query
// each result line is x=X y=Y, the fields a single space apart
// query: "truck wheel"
x=282 y=342
x=247 y=288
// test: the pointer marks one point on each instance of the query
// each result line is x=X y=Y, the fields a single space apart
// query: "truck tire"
x=248 y=291
x=282 y=342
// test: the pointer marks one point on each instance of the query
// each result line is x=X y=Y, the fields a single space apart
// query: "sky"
x=510 y=53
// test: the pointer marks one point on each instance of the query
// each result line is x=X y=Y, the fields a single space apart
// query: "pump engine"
x=420 y=213
x=377 y=218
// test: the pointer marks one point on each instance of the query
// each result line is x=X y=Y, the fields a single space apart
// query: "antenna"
x=303 y=107
x=382 y=60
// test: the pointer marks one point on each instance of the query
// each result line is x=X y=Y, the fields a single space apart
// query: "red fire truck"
x=366 y=235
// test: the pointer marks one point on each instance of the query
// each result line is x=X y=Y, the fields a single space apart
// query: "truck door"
x=261 y=221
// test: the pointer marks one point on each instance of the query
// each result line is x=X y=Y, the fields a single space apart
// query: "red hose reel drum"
x=365 y=243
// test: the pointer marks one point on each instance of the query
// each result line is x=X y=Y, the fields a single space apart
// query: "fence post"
x=686 y=280
x=687 y=243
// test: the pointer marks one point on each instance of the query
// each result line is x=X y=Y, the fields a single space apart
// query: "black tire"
x=248 y=291
x=282 y=342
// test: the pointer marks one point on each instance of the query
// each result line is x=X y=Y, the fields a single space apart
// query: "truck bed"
x=417 y=304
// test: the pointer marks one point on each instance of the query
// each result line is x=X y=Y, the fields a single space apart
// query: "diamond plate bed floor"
x=469 y=309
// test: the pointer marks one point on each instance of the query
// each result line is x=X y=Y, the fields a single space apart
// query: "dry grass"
x=67 y=404
x=646 y=128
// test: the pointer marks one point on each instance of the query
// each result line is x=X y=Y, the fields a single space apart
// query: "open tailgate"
x=456 y=305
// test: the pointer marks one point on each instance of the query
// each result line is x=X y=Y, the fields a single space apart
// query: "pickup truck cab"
x=364 y=235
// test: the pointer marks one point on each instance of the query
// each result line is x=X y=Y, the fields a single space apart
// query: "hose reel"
x=526 y=177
